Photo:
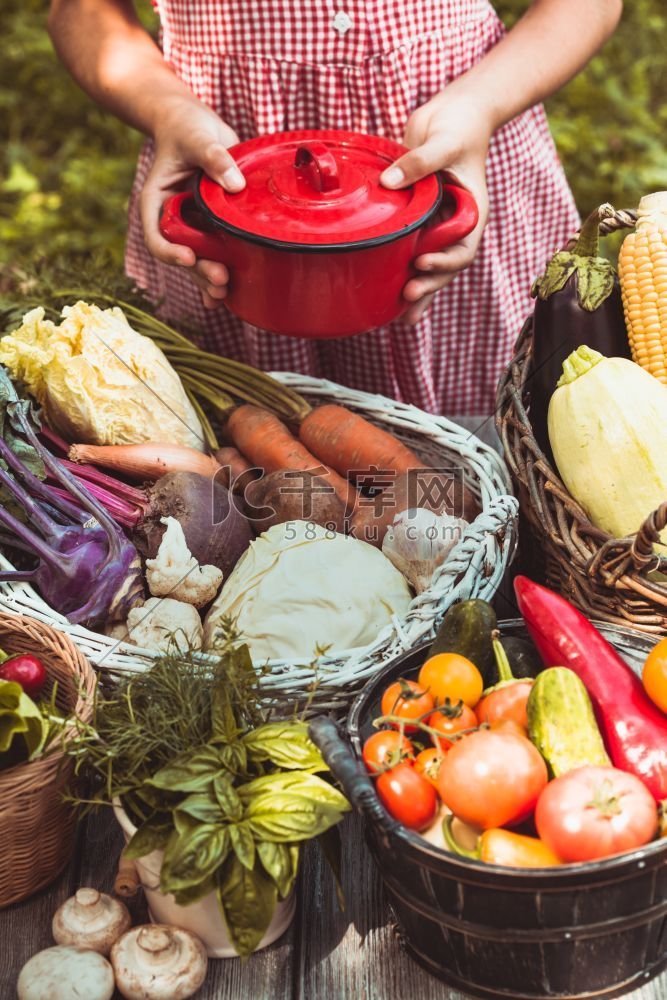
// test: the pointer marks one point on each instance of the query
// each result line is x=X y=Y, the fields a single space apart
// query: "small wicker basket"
x=610 y=579
x=36 y=826
x=473 y=569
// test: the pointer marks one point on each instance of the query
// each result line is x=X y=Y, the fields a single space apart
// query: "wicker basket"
x=607 y=578
x=36 y=826
x=474 y=568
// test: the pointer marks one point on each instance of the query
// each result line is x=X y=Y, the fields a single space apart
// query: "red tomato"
x=408 y=796
x=409 y=701
x=386 y=748
x=26 y=670
x=507 y=702
x=449 y=720
x=492 y=778
x=428 y=763
x=654 y=675
x=593 y=812
x=449 y=675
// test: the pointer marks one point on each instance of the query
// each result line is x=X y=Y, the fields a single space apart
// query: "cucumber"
x=524 y=659
x=561 y=722
x=467 y=629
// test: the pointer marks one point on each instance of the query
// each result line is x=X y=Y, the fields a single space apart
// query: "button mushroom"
x=90 y=919
x=158 y=962
x=63 y=973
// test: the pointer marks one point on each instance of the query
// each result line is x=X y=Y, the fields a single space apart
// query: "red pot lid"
x=315 y=188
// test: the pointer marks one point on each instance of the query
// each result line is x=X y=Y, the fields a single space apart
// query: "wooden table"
x=325 y=954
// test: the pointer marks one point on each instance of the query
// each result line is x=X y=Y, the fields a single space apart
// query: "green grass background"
x=66 y=166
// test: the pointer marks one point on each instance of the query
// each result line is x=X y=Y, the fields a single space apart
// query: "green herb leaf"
x=193 y=857
x=248 y=901
x=227 y=798
x=233 y=757
x=190 y=772
x=286 y=818
x=296 y=782
x=243 y=843
x=202 y=806
x=20 y=716
x=223 y=720
x=186 y=897
x=285 y=744
x=152 y=836
x=281 y=862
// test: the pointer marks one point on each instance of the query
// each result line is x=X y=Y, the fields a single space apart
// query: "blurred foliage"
x=66 y=166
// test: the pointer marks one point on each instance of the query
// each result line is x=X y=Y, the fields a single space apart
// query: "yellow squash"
x=608 y=433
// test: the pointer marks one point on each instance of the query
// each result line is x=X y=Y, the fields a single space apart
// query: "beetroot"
x=216 y=532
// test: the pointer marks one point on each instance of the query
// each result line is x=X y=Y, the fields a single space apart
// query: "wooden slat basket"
x=473 y=569
x=610 y=579
x=36 y=825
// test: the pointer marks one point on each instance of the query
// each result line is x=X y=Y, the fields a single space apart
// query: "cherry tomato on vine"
x=407 y=700
x=492 y=778
x=654 y=675
x=593 y=812
x=408 y=796
x=448 y=675
x=386 y=748
x=427 y=763
x=449 y=720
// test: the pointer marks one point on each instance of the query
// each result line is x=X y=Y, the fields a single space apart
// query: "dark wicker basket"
x=607 y=578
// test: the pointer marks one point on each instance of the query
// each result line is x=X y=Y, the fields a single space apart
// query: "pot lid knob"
x=317 y=165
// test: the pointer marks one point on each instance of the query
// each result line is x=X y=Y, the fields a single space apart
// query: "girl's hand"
x=449 y=133
x=189 y=136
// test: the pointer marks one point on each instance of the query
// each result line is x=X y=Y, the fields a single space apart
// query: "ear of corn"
x=642 y=268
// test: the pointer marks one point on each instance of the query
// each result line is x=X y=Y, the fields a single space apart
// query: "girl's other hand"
x=189 y=136
x=450 y=133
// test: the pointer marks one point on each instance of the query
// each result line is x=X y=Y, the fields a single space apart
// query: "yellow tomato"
x=448 y=675
x=654 y=675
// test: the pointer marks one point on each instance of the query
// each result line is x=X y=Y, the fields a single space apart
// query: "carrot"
x=352 y=445
x=236 y=471
x=265 y=441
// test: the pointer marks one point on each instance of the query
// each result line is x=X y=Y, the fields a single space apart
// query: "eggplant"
x=577 y=301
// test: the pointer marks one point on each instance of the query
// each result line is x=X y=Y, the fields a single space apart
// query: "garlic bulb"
x=418 y=541
x=90 y=919
x=158 y=962
x=61 y=973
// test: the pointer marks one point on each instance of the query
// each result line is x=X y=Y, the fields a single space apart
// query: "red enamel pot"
x=315 y=245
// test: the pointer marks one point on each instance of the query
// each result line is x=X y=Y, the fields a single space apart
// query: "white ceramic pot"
x=202 y=918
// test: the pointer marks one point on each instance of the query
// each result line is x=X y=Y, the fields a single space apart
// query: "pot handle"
x=459 y=224
x=317 y=164
x=350 y=774
x=176 y=229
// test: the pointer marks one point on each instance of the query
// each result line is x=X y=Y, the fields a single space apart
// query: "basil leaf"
x=194 y=856
x=20 y=716
x=186 y=897
x=287 y=818
x=285 y=744
x=151 y=836
x=233 y=757
x=227 y=797
x=298 y=783
x=248 y=901
x=202 y=806
x=243 y=843
x=281 y=862
x=189 y=772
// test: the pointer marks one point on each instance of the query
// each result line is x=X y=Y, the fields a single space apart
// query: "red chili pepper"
x=634 y=730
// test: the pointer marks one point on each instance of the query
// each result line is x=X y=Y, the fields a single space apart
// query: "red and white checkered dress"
x=366 y=65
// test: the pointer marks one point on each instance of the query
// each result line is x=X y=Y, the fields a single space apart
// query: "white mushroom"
x=90 y=919
x=63 y=973
x=158 y=962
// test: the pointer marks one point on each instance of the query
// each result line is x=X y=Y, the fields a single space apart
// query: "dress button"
x=342 y=22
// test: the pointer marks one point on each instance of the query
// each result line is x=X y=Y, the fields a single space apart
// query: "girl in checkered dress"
x=440 y=75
